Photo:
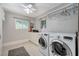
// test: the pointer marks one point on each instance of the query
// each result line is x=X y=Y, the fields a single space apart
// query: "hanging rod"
x=63 y=8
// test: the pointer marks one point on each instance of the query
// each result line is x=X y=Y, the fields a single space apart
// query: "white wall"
x=2 y=14
x=60 y=23
x=63 y=24
x=38 y=24
x=10 y=33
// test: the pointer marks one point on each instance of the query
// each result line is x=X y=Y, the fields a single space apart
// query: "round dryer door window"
x=42 y=42
x=61 y=49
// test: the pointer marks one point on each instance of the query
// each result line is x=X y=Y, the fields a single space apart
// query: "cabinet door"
x=0 y=37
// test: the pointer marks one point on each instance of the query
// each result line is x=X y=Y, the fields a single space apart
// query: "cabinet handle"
x=0 y=37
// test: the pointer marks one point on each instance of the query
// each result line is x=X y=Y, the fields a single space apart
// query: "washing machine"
x=43 y=44
x=63 y=44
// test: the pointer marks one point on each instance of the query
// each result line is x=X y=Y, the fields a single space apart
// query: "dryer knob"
x=58 y=37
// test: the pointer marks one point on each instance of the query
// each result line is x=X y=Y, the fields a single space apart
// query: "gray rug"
x=18 y=52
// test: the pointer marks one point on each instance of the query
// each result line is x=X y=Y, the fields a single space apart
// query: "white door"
x=0 y=37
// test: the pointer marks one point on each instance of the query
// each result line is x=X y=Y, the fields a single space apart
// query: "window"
x=43 y=24
x=22 y=24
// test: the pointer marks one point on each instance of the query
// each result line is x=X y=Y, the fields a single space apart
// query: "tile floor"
x=31 y=48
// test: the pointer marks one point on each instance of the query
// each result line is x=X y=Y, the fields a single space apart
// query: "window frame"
x=20 y=19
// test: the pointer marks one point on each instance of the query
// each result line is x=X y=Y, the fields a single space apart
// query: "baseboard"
x=15 y=42
x=33 y=43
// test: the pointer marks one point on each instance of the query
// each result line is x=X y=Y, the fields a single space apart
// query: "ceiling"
x=17 y=8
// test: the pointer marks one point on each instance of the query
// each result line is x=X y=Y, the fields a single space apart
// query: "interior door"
x=0 y=37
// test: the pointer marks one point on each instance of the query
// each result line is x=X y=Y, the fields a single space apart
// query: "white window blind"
x=22 y=24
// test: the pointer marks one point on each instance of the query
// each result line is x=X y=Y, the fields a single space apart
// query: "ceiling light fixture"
x=29 y=7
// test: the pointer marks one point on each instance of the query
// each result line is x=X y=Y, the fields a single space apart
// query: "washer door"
x=42 y=43
x=61 y=49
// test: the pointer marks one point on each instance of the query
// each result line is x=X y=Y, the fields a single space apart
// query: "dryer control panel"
x=68 y=37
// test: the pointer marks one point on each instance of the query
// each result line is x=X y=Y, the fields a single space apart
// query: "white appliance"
x=43 y=43
x=62 y=44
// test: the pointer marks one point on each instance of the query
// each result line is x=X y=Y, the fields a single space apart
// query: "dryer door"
x=43 y=42
x=60 y=49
